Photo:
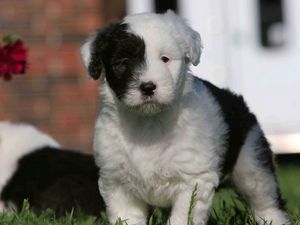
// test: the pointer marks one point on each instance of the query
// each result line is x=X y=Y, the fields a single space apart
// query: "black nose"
x=148 y=88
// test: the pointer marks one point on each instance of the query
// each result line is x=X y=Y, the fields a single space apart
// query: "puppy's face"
x=144 y=59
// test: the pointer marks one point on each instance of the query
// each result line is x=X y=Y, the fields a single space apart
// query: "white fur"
x=155 y=152
x=17 y=140
x=171 y=27
x=2 y=206
x=85 y=50
x=158 y=160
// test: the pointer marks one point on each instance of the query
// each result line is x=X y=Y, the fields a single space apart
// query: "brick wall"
x=55 y=94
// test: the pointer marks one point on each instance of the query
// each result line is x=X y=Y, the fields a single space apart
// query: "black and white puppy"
x=161 y=130
x=33 y=166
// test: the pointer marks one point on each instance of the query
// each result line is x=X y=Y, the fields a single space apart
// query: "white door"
x=268 y=74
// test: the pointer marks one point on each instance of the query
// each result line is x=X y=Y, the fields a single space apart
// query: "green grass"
x=289 y=177
x=228 y=209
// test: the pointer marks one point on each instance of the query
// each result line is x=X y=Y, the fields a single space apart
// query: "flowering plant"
x=13 y=57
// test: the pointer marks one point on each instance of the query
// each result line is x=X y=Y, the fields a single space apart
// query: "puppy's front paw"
x=178 y=220
x=131 y=221
x=128 y=218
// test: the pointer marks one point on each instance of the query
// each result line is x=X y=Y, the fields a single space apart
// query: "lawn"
x=227 y=208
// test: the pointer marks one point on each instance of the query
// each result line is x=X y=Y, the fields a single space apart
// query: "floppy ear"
x=92 y=62
x=189 y=39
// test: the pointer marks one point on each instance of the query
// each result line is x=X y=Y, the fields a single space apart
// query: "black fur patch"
x=56 y=179
x=239 y=120
x=120 y=53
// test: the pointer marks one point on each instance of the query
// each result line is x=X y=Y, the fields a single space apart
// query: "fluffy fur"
x=33 y=166
x=154 y=148
x=15 y=142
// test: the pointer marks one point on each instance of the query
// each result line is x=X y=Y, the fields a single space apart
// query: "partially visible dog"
x=161 y=130
x=33 y=166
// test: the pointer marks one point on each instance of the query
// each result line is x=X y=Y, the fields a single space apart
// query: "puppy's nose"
x=148 y=88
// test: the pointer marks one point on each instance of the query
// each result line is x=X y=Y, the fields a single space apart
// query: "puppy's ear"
x=92 y=62
x=188 y=38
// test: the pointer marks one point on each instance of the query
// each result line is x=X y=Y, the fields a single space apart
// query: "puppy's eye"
x=165 y=59
x=119 y=67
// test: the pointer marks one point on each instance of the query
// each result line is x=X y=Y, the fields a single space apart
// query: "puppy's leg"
x=202 y=203
x=123 y=205
x=254 y=177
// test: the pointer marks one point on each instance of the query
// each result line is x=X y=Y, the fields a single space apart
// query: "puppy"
x=33 y=166
x=161 y=131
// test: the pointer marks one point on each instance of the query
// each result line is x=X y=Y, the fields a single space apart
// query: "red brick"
x=56 y=94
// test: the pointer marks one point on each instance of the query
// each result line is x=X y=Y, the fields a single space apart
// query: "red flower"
x=12 y=59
